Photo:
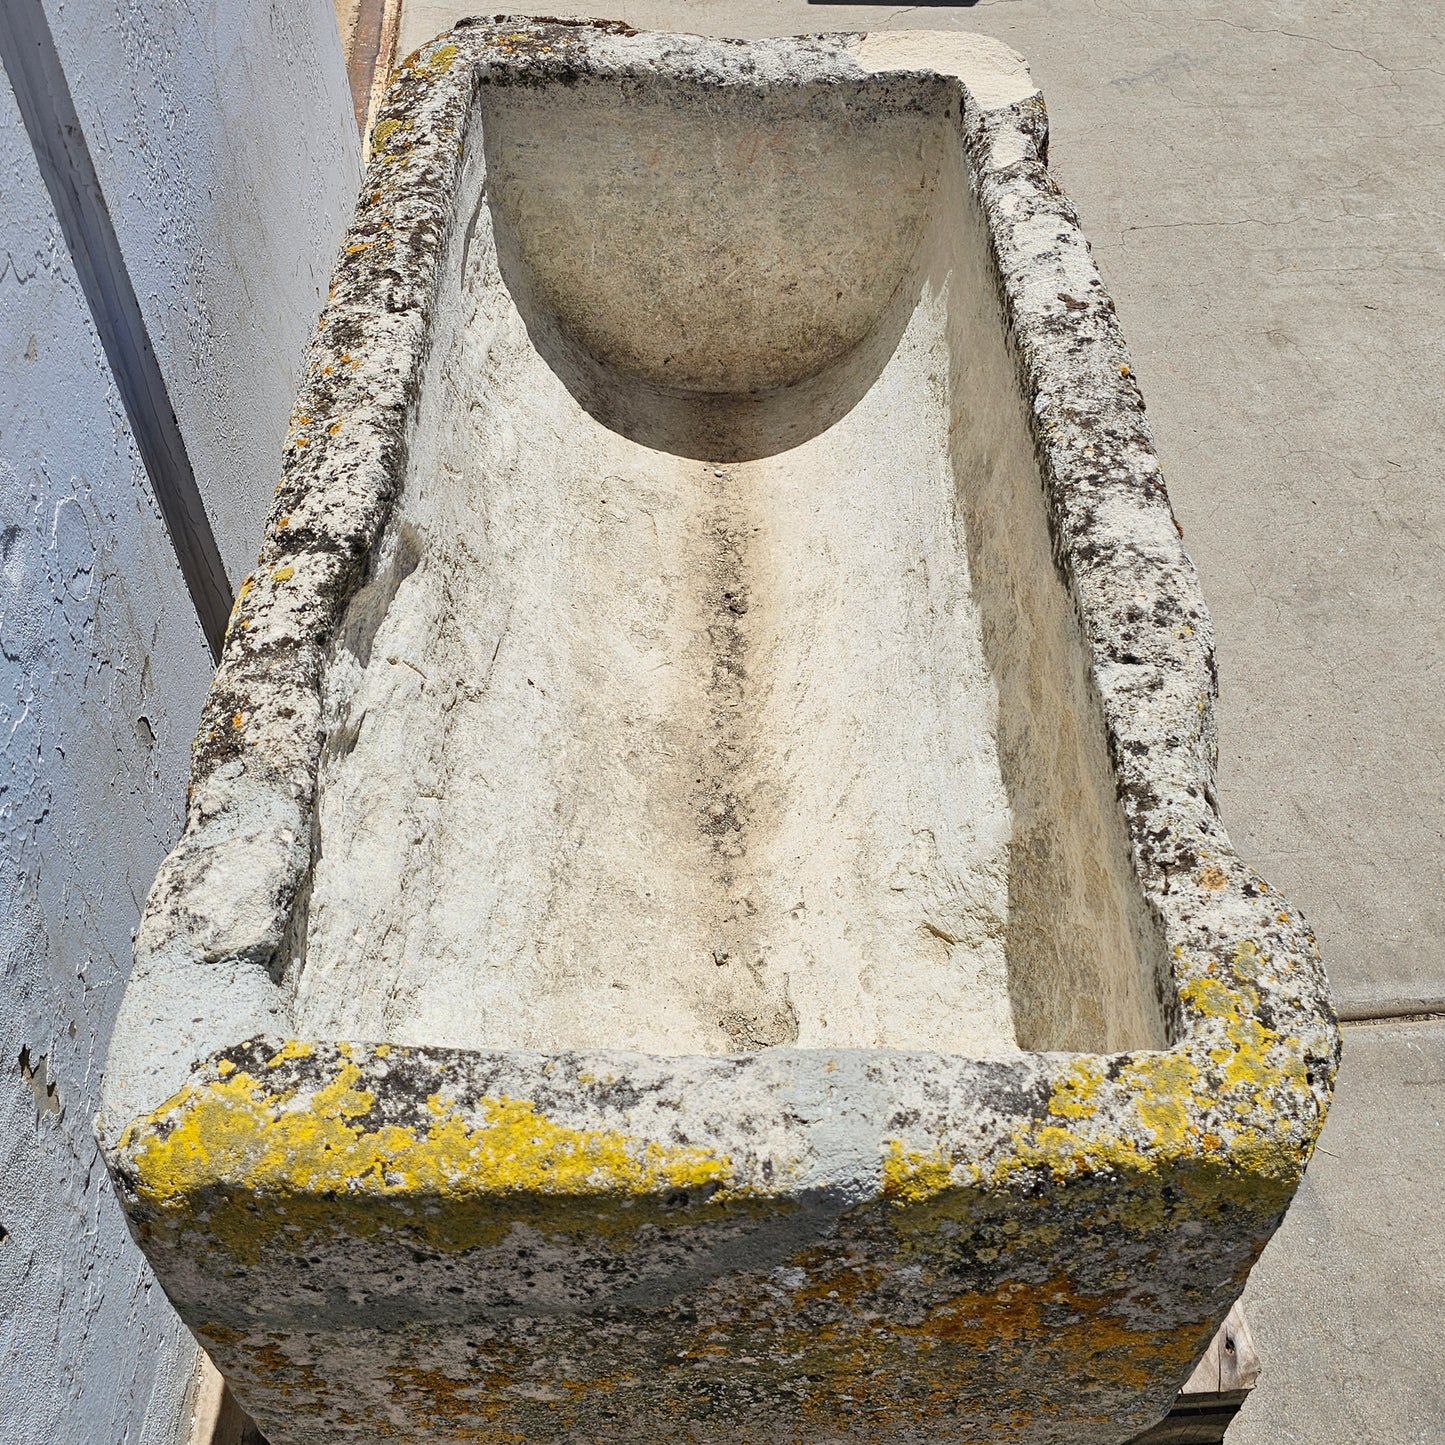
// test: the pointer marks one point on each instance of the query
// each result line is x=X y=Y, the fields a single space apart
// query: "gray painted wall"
x=225 y=143
x=225 y=140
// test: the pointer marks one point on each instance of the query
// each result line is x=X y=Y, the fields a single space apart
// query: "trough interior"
x=714 y=687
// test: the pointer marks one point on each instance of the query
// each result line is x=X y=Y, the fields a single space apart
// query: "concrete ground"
x=1263 y=187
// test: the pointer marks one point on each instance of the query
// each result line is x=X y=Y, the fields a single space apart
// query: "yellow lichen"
x=440 y=60
x=295 y=1149
x=292 y=1049
x=1162 y=1085
x=1249 y=959
x=1073 y=1096
x=1211 y=998
x=911 y=1175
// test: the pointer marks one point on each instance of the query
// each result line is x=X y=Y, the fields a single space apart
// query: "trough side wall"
x=228 y=158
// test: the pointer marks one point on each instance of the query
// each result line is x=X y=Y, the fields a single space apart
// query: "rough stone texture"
x=1284 y=311
x=724 y=710
x=792 y=1244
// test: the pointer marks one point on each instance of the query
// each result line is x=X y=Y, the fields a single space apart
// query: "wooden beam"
x=212 y=1415
x=52 y=125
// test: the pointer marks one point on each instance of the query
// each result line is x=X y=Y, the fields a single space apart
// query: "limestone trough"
x=703 y=915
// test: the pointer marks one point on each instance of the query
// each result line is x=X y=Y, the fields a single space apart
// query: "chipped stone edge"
x=1246 y=1084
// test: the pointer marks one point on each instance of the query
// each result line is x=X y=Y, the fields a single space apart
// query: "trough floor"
x=661 y=753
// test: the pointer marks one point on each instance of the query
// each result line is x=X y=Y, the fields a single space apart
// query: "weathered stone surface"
x=635 y=1147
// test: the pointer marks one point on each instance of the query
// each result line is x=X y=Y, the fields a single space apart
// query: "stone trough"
x=703 y=915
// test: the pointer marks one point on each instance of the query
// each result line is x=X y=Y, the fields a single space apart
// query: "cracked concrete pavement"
x=1262 y=186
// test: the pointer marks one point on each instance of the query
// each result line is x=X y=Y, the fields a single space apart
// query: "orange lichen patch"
x=296 y=1381
x=977 y=1355
x=247 y=583
x=519 y=42
x=1054 y=1317
x=826 y=1278
x=1212 y=877
x=430 y=1396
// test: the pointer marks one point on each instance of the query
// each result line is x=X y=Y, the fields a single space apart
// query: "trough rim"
x=1243 y=1089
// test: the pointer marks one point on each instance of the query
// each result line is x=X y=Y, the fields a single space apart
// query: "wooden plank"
x=369 y=30
x=213 y=1416
x=1213 y=1394
x=62 y=153
x=1230 y=1363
